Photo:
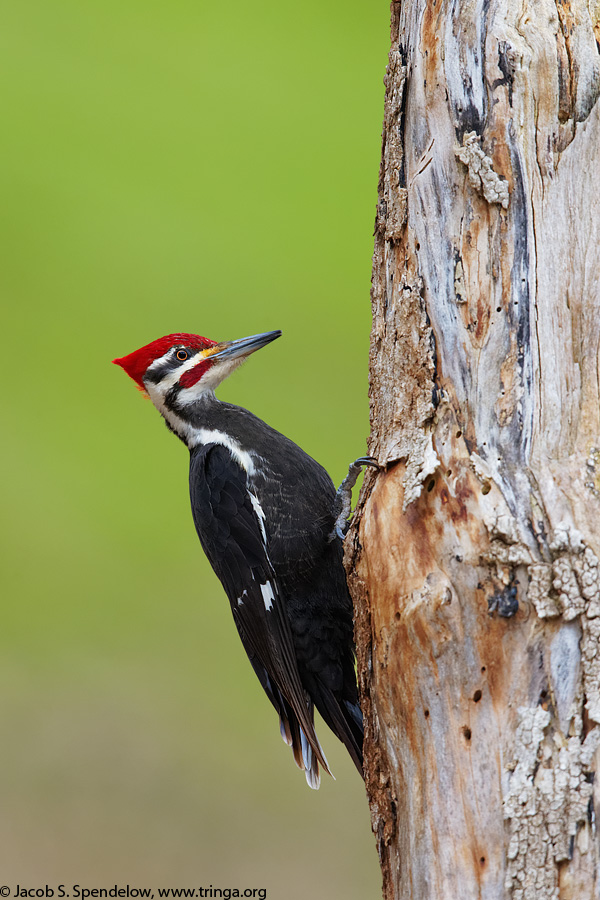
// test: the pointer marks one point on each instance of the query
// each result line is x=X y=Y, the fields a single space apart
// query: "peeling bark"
x=473 y=557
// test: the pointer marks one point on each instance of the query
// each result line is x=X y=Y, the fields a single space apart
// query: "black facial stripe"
x=171 y=398
x=156 y=375
x=170 y=365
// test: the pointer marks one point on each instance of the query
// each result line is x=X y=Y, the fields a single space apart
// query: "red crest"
x=137 y=363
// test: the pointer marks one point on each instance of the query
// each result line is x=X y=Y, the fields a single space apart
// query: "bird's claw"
x=341 y=530
x=366 y=461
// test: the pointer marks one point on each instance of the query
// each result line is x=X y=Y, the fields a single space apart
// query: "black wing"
x=232 y=532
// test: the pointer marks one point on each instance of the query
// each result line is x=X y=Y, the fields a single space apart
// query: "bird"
x=271 y=525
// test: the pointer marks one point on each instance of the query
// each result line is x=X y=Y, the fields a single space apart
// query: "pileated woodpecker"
x=265 y=513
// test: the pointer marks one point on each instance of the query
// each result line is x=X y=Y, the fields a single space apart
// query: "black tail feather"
x=292 y=734
x=345 y=720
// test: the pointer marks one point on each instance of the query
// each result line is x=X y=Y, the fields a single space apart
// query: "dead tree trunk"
x=473 y=559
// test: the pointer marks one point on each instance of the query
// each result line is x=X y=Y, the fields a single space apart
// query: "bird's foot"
x=343 y=499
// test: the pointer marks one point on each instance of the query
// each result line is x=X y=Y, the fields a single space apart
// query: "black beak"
x=243 y=346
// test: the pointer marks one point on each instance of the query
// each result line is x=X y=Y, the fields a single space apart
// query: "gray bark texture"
x=473 y=556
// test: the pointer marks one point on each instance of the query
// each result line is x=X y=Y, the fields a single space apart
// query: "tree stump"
x=473 y=556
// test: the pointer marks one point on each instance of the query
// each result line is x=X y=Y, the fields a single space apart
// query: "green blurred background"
x=169 y=166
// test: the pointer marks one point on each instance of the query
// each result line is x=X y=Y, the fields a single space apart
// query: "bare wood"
x=473 y=560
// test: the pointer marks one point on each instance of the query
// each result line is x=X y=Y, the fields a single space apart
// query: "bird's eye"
x=181 y=355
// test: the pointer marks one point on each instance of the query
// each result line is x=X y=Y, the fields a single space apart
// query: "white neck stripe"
x=212 y=436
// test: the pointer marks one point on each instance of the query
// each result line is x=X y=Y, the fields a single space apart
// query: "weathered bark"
x=473 y=559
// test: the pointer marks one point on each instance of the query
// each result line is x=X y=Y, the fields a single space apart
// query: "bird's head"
x=178 y=368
